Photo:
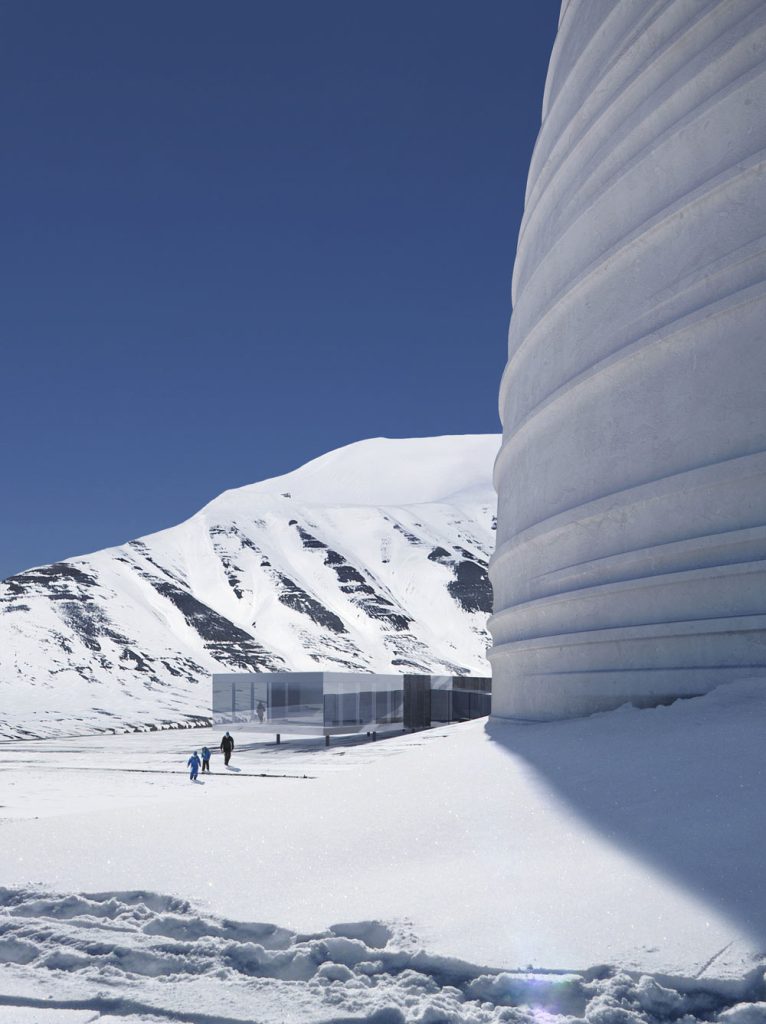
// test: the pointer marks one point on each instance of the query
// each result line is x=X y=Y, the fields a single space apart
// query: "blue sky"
x=238 y=235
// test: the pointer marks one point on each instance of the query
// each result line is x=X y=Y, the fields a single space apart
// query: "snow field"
x=140 y=956
x=484 y=868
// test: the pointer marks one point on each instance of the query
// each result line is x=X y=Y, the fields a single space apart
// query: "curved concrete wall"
x=631 y=541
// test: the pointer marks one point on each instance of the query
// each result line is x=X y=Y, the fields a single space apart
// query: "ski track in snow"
x=141 y=956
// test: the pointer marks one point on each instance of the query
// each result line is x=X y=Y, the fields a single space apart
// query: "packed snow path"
x=633 y=839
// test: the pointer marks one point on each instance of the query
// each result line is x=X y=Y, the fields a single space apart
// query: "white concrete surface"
x=632 y=477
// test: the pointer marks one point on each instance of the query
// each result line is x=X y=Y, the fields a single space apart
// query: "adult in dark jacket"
x=227 y=745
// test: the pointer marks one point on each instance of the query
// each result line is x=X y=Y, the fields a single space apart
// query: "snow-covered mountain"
x=372 y=557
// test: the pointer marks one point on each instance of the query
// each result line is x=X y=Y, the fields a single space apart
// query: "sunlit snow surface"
x=472 y=873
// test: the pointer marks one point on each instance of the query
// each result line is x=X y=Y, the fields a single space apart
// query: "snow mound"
x=142 y=955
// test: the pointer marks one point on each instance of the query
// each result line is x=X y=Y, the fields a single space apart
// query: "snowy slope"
x=470 y=874
x=372 y=557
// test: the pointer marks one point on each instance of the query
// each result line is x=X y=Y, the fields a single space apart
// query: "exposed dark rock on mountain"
x=339 y=570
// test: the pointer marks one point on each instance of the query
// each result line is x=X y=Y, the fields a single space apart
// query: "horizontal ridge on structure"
x=631 y=535
x=638 y=600
x=644 y=237
x=605 y=156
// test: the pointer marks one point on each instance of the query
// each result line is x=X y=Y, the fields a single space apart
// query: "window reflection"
x=348 y=701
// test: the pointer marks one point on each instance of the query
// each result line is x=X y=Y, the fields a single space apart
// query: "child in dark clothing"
x=193 y=764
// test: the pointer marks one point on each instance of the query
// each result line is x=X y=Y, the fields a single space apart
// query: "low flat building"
x=335 y=703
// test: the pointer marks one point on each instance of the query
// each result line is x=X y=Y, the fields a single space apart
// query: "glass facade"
x=324 y=702
x=469 y=697
x=362 y=700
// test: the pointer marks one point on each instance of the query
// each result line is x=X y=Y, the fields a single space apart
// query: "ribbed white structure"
x=631 y=542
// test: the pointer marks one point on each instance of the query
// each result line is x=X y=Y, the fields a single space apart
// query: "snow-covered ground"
x=479 y=873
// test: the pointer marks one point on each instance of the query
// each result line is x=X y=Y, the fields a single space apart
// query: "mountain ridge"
x=261 y=579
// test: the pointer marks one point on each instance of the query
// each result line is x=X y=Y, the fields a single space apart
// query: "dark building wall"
x=417 y=702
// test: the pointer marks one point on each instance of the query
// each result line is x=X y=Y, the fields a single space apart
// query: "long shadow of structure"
x=682 y=787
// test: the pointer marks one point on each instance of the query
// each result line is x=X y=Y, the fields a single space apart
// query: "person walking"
x=227 y=745
x=205 y=760
x=260 y=710
x=193 y=764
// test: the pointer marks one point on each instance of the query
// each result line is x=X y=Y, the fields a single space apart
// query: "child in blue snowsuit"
x=205 y=759
x=193 y=763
